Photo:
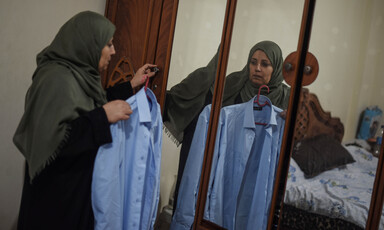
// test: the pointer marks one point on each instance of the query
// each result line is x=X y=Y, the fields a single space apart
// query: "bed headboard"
x=312 y=120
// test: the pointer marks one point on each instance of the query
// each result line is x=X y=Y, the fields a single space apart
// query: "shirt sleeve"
x=121 y=91
x=87 y=133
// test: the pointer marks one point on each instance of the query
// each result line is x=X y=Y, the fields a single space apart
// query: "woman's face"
x=260 y=69
x=106 y=54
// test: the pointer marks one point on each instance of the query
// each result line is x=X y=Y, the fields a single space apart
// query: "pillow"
x=320 y=153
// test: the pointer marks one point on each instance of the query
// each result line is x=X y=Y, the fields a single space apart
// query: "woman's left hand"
x=141 y=75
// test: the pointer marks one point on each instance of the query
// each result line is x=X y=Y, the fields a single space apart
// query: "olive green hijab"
x=238 y=82
x=185 y=100
x=65 y=84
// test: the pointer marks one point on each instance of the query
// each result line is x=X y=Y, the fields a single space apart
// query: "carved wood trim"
x=122 y=72
x=312 y=120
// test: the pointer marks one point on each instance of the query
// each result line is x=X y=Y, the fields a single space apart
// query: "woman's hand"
x=284 y=114
x=142 y=74
x=117 y=110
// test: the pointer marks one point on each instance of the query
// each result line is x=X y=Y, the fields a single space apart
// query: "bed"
x=329 y=184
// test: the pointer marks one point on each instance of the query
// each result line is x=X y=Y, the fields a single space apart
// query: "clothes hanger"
x=260 y=105
x=153 y=69
x=146 y=87
x=258 y=96
x=146 y=83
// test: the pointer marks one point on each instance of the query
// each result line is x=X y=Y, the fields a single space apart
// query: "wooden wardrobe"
x=144 y=34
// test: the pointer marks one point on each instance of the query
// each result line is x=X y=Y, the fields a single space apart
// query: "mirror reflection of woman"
x=186 y=100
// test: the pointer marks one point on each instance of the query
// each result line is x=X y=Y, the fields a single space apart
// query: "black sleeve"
x=121 y=91
x=91 y=130
x=87 y=133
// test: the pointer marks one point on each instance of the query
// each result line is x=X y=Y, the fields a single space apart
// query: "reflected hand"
x=117 y=110
x=283 y=114
x=142 y=74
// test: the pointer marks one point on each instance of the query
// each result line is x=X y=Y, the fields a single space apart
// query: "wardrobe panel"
x=144 y=32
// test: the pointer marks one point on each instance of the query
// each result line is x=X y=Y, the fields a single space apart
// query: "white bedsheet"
x=341 y=193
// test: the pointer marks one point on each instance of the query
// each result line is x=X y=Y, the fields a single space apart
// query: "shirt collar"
x=144 y=107
x=249 y=121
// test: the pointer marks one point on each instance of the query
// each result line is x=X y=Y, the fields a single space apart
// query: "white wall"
x=26 y=28
x=350 y=54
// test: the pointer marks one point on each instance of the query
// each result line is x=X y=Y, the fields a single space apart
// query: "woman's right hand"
x=142 y=74
x=117 y=110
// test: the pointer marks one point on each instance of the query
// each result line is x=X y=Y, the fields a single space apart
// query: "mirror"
x=234 y=196
x=247 y=11
x=337 y=190
x=196 y=40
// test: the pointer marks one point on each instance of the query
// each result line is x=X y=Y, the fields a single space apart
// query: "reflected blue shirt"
x=126 y=175
x=241 y=146
x=185 y=209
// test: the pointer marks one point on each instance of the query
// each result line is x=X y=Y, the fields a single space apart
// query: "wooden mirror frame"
x=229 y=18
x=289 y=130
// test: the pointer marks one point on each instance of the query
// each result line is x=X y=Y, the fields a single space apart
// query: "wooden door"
x=144 y=34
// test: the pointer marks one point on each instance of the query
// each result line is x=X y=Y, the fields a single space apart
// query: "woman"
x=185 y=100
x=66 y=119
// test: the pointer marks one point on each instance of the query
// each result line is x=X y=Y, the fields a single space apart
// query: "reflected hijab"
x=238 y=82
x=65 y=84
x=185 y=100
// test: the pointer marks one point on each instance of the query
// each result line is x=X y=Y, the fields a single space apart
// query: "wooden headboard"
x=312 y=120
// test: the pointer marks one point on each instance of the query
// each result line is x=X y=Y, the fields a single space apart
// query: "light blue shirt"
x=126 y=175
x=241 y=146
x=255 y=194
x=185 y=209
